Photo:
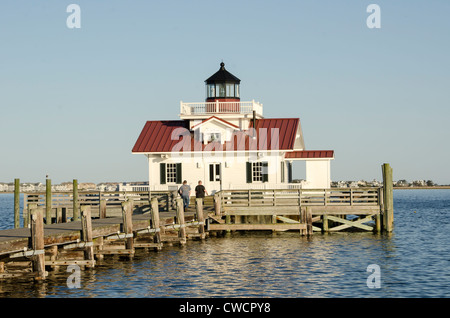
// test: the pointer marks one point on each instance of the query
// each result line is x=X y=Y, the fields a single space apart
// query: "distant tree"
x=430 y=183
x=402 y=183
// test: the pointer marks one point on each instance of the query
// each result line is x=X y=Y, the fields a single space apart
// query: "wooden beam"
x=76 y=213
x=127 y=212
x=180 y=221
x=16 y=203
x=217 y=204
x=347 y=224
x=37 y=242
x=102 y=209
x=200 y=217
x=155 y=220
x=388 y=213
x=249 y=226
x=86 y=232
x=48 y=201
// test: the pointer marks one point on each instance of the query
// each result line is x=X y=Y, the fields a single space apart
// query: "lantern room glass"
x=222 y=90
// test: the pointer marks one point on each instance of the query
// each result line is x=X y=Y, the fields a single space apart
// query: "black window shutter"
x=265 y=171
x=179 y=173
x=211 y=172
x=162 y=173
x=249 y=172
x=289 y=172
x=282 y=171
x=217 y=172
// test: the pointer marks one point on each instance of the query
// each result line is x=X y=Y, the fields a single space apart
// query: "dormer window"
x=212 y=136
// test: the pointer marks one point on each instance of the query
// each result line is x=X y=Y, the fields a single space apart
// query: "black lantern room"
x=222 y=86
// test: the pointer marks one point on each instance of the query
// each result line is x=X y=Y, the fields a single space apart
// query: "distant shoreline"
x=418 y=188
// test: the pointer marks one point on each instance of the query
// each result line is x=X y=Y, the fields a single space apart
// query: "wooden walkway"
x=82 y=231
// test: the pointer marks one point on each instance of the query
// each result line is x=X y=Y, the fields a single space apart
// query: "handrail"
x=235 y=107
x=308 y=197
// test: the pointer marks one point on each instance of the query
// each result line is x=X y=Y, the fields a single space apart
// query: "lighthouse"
x=228 y=144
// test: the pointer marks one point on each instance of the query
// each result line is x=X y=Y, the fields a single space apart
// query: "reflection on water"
x=414 y=262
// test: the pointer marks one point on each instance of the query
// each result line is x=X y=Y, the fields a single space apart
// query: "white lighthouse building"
x=228 y=144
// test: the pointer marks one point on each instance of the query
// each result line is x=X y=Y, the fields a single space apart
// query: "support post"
x=76 y=213
x=388 y=213
x=200 y=217
x=58 y=215
x=16 y=203
x=48 y=201
x=325 y=223
x=37 y=242
x=180 y=221
x=127 y=212
x=86 y=233
x=217 y=204
x=102 y=212
x=309 y=229
x=155 y=219
x=64 y=215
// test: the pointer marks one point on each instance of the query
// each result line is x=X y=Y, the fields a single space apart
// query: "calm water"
x=414 y=262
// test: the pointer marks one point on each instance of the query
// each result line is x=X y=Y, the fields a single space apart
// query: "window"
x=230 y=90
x=171 y=172
x=214 y=172
x=212 y=136
x=210 y=90
x=237 y=90
x=257 y=172
x=220 y=90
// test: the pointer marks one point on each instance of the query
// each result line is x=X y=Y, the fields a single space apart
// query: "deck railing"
x=303 y=197
x=204 y=108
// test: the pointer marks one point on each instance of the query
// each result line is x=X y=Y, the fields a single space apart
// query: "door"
x=215 y=176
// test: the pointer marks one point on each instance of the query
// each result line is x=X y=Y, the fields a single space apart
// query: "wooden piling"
x=76 y=213
x=102 y=207
x=217 y=204
x=155 y=220
x=86 y=233
x=200 y=217
x=127 y=211
x=64 y=214
x=180 y=221
x=16 y=203
x=325 y=223
x=37 y=243
x=309 y=227
x=48 y=201
x=388 y=213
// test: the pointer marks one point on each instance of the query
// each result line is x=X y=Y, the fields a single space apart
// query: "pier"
x=62 y=229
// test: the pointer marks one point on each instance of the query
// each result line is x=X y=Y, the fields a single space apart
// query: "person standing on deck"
x=185 y=192
x=200 y=190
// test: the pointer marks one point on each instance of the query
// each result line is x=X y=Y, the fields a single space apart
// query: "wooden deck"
x=83 y=228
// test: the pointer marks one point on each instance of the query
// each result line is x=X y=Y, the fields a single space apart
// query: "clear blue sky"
x=73 y=101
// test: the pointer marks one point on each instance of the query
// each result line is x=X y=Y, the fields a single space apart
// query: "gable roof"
x=215 y=118
x=175 y=136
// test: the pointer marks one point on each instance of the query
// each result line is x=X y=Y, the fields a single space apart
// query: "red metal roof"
x=310 y=154
x=174 y=136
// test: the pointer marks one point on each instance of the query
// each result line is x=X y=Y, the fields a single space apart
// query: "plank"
x=248 y=226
